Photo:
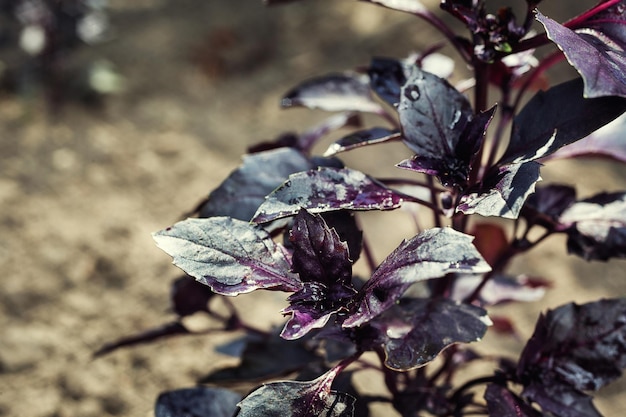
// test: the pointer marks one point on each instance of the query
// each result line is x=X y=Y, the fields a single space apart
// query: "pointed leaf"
x=241 y=194
x=414 y=331
x=327 y=189
x=596 y=53
x=334 y=92
x=228 y=255
x=598 y=227
x=433 y=115
x=345 y=224
x=503 y=403
x=606 y=142
x=431 y=254
x=582 y=346
x=197 y=402
x=558 y=117
x=259 y=361
x=503 y=191
x=297 y=399
x=362 y=138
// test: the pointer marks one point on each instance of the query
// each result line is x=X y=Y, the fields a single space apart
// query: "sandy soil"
x=81 y=190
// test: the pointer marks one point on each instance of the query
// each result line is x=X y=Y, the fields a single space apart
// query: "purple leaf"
x=433 y=115
x=597 y=227
x=595 y=50
x=409 y=6
x=322 y=261
x=327 y=189
x=503 y=403
x=167 y=330
x=558 y=117
x=547 y=204
x=297 y=399
x=241 y=194
x=259 y=361
x=431 y=254
x=362 y=138
x=503 y=191
x=345 y=224
x=414 y=331
x=334 y=92
x=560 y=400
x=454 y=169
x=197 y=402
x=579 y=346
x=606 y=142
x=230 y=256
x=189 y=296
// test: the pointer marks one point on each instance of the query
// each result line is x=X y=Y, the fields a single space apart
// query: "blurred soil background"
x=84 y=182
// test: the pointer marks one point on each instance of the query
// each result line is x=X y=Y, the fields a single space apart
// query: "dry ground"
x=81 y=190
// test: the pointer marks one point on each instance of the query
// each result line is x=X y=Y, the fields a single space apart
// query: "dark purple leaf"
x=500 y=289
x=414 y=331
x=597 y=227
x=503 y=191
x=454 y=169
x=241 y=194
x=334 y=92
x=606 y=142
x=503 y=403
x=167 y=330
x=431 y=254
x=188 y=296
x=197 y=402
x=560 y=400
x=266 y=358
x=577 y=346
x=596 y=50
x=322 y=261
x=433 y=115
x=297 y=399
x=363 y=138
x=409 y=6
x=345 y=224
x=230 y=256
x=558 y=117
x=546 y=205
x=327 y=189
x=387 y=76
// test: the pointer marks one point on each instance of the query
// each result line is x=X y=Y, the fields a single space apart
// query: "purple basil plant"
x=287 y=220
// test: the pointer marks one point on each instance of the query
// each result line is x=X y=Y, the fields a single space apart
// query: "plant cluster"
x=287 y=220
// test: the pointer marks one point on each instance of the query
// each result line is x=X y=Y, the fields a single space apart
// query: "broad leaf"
x=560 y=400
x=503 y=191
x=189 y=296
x=335 y=92
x=453 y=168
x=241 y=194
x=606 y=142
x=297 y=399
x=597 y=227
x=595 y=50
x=362 y=138
x=197 y=402
x=433 y=115
x=503 y=403
x=431 y=254
x=580 y=346
x=558 y=117
x=259 y=361
x=414 y=331
x=228 y=255
x=322 y=261
x=327 y=189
